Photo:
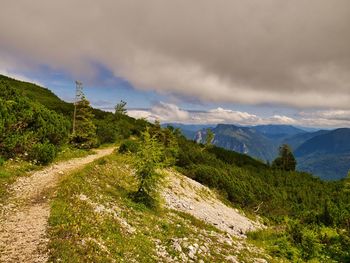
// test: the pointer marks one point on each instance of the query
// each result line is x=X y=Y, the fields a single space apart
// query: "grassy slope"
x=48 y=98
x=94 y=220
x=40 y=94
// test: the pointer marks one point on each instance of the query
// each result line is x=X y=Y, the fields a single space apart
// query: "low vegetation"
x=27 y=126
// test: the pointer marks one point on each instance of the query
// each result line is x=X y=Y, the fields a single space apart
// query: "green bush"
x=24 y=123
x=310 y=244
x=2 y=161
x=129 y=146
x=43 y=153
x=106 y=131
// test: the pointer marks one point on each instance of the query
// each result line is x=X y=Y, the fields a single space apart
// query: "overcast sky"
x=246 y=61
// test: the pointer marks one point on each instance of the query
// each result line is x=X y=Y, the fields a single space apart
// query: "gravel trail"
x=23 y=220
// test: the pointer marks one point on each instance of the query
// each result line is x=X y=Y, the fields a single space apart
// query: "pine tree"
x=148 y=159
x=120 y=109
x=209 y=138
x=84 y=135
x=286 y=160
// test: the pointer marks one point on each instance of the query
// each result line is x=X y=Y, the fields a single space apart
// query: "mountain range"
x=324 y=153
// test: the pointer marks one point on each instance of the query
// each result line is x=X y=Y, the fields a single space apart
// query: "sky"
x=201 y=61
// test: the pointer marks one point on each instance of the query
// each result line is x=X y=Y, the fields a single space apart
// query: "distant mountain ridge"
x=278 y=131
x=189 y=130
x=325 y=153
x=245 y=140
x=295 y=141
x=336 y=141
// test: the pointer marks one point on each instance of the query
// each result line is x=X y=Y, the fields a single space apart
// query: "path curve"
x=23 y=220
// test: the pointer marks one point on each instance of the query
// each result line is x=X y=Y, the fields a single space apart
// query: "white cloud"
x=326 y=118
x=281 y=120
x=166 y=112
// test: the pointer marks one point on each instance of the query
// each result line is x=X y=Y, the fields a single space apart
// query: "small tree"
x=148 y=159
x=120 y=108
x=159 y=149
x=84 y=135
x=209 y=138
x=286 y=160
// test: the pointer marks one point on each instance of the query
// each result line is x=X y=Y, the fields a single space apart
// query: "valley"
x=324 y=153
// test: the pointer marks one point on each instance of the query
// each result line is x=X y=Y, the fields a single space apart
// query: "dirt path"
x=23 y=220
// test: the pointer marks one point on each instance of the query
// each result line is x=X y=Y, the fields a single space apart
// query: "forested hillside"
x=324 y=153
x=110 y=127
x=245 y=140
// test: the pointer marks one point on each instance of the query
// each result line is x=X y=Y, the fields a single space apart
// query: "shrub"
x=129 y=146
x=23 y=123
x=148 y=160
x=310 y=244
x=106 y=132
x=2 y=161
x=43 y=153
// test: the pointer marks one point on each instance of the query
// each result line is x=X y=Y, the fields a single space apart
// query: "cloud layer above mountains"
x=170 y=113
x=291 y=53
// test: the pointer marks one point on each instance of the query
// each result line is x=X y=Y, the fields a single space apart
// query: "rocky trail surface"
x=23 y=220
x=189 y=196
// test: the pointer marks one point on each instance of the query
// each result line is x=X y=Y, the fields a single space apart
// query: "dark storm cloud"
x=294 y=53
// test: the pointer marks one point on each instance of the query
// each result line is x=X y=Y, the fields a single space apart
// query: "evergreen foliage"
x=285 y=161
x=149 y=158
x=25 y=124
x=120 y=108
x=209 y=137
x=84 y=135
x=158 y=148
x=43 y=153
x=129 y=146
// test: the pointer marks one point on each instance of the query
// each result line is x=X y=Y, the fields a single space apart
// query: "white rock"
x=228 y=242
x=232 y=259
x=204 y=249
x=191 y=254
x=259 y=260
x=177 y=247
x=83 y=197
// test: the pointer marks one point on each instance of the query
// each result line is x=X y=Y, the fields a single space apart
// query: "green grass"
x=9 y=171
x=94 y=219
x=278 y=243
x=275 y=243
x=67 y=153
